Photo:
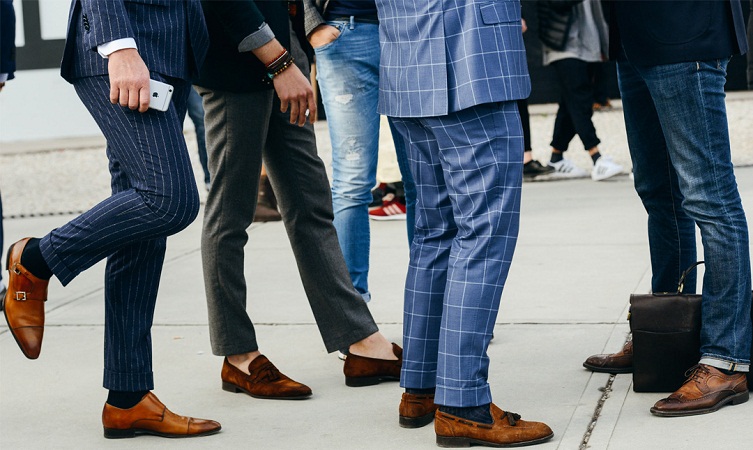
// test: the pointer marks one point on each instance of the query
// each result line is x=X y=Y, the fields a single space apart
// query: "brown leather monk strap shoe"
x=150 y=416
x=24 y=303
x=416 y=410
x=364 y=371
x=507 y=430
x=264 y=381
x=706 y=390
x=620 y=362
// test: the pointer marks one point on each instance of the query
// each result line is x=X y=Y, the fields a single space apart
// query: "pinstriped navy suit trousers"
x=153 y=196
x=468 y=171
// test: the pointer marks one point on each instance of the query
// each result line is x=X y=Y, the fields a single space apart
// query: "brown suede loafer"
x=416 y=410
x=150 y=416
x=364 y=371
x=24 y=303
x=620 y=362
x=264 y=381
x=507 y=430
x=706 y=390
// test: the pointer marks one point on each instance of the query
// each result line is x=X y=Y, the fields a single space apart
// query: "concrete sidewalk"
x=582 y=251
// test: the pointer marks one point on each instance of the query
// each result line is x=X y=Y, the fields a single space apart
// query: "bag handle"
x=681 y=284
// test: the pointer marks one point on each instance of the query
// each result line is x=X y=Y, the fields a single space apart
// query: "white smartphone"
x=160 y=95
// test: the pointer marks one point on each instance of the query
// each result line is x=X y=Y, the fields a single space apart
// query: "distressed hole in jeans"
x=344 y=98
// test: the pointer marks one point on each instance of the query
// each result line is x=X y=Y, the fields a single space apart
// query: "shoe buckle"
x=21 y=296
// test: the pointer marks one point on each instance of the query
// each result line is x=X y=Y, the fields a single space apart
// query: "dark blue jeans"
x=677 y=131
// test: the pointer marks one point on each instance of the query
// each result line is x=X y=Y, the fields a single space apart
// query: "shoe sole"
x=736 y=399
x=454 y=442
x=111 y=433
x=394 y=217
x=5 y=313
x=368 y=381
x=235 y=389
x=607 y=369
x=416 y=422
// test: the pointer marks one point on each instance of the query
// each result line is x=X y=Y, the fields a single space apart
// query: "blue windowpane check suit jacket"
x=442 y=56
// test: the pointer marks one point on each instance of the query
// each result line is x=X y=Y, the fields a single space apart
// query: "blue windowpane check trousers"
x=468 y=172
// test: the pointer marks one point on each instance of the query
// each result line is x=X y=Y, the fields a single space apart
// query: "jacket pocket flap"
x=500 y=12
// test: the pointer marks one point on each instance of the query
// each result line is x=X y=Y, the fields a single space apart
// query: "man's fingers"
x=123 y=97
x=294 y=111
x=312 y=107
x=133 y=98
x=114 y=93
x=144 y=99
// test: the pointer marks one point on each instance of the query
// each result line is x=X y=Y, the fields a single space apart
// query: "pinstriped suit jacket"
x=442 y=56
x=170 y=34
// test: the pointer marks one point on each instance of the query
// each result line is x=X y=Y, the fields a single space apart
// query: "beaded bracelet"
x=285 y=65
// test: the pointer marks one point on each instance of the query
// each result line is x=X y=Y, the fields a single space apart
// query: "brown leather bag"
x=666 y=331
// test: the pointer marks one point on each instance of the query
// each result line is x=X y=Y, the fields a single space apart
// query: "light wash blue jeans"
x=348 y=76
x=677 y=130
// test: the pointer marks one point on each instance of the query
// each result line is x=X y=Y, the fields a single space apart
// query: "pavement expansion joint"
x=606 y=390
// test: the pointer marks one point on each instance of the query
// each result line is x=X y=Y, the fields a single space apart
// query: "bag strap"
x=681 y=284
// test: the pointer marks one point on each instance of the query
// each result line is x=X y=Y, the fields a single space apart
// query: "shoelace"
x=695 y=372
x=512 y=418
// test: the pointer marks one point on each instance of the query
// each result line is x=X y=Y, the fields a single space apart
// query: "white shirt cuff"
x=3 y=79
x=105 y=50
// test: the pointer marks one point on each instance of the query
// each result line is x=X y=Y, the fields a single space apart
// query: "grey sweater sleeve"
x=312 y=16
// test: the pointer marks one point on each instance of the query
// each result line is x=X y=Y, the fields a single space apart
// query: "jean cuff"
x=726 y=365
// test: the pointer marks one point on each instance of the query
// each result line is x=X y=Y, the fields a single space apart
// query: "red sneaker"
x=391 y=209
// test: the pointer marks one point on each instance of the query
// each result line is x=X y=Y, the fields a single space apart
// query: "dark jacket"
x=750 y=47
x=555 y=21
x=229 y=22
x=7 y=38
x=668 y=32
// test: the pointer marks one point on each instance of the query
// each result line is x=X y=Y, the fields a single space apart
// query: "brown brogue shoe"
x=24 y=303
x=150 y=416
x=364 y=371
x=620 y=362
x=507 y=430
x=264 y=381
x=706 y=390
x=416 y=410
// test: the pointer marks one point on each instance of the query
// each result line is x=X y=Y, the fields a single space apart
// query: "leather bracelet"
x=281 y=69
x=285 y=59
x=277 y=60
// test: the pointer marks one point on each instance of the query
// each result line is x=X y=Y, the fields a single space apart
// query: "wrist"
x=279 y=64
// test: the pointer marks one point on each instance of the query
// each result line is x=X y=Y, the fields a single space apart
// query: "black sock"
x=474 y=413
x=595 y=156
x=125 y=399
x=727 y=372
x=556 y=157
x=33 y=260
x=429 y=391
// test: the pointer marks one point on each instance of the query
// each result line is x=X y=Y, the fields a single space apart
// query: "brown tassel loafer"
x=365 y=371
x=23 y=304
x=416 y=410
x=507 y=430
x=264 y=381
x=150 y=416
x=620 y=362
x=705 y=391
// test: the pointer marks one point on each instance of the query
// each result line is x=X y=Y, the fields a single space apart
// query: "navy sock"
x=429 y=391
x=33 y=260
x=556 y=157
x=474 y=413
x=727 y=372
x=595 y=157
x=125 y=399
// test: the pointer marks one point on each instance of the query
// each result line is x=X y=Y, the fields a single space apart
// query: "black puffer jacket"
x=555 y=20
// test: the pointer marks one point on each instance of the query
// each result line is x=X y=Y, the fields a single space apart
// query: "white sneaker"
x=566 y=169
x=605 y=168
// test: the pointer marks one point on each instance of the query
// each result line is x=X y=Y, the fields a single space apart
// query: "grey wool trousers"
x=242 y=128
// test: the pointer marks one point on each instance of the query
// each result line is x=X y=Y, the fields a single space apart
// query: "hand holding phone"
x=159 y=95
